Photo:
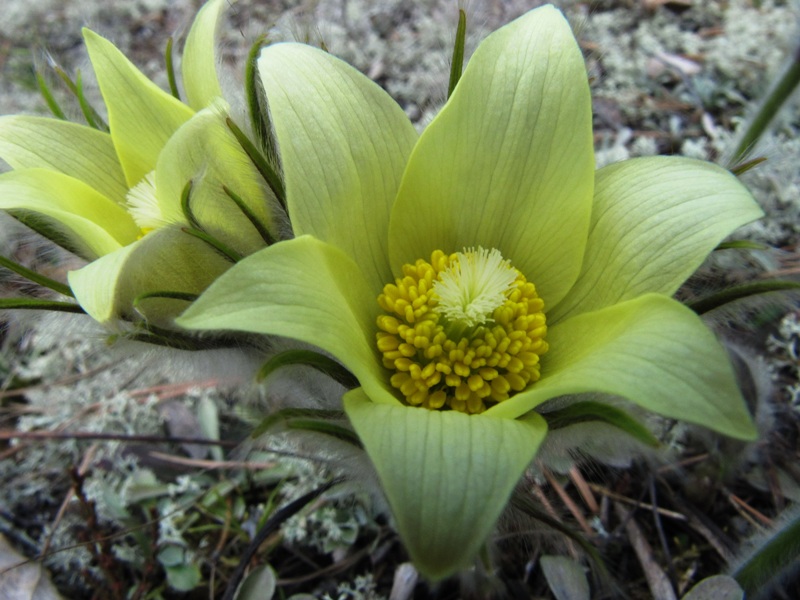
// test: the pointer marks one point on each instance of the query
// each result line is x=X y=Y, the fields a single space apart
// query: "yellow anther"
x=463 y=331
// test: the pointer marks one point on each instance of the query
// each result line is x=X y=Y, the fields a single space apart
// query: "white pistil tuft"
x=143 y=204
x=474 y=285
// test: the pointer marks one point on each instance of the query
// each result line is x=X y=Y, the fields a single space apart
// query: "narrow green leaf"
x=581 y=412
x=777 y=95
x=261 y=163
x=741 y=244
x=259 y=116
x=747 y=165
x=331 y=429
x=309 y=358
x=769 y=557
x=186 y=208
x=228 y=252
x=457 y=63
x=732 y=294
x=35 y=277
x=52 y=104
x=171 y=295
x=170 y=65
x=260 y=227
x=272 y=524
x=287 y=414
x=90 y=114
x=92 y=117
x=37 y=304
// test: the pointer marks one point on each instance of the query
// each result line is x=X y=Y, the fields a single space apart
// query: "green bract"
x=507 y=164
x=115 y=198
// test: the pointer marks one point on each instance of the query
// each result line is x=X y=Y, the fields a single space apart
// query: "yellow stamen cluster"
x=439 y=361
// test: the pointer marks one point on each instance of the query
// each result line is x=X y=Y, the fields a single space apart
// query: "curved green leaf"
x=447 y=475
x=651 y=350
x=654 y=221
x=199 y=61
x=306 y=290
x=508 y=163
x=581 y=412
x=343 y=144
x=80 y=152
x=142 y=116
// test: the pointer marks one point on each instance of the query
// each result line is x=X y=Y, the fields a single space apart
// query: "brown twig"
x=212 y=464
x=584 y=490
x=6 y=434
x=568 y=502
x=738 y=503
x=657 y=580
x=636 y=503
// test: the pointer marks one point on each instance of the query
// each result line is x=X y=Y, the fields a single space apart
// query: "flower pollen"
x=143 y=204
x=463 y=331
x=474 y=284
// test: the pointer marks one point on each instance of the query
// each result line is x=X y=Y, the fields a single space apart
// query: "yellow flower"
x=483 y=266
x=114 y=198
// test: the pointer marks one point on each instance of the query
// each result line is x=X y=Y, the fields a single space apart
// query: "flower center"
x=143 y=204
x=463 y=331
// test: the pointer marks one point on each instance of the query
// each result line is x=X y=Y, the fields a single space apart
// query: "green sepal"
x=37 y=304
x=581 y=412
x=457 y=62
x=447 y=475
x=260 y=161
x=223 y=249
x=309 y=358
x=720 y=299
x=186 y=207
x=35 y=277
x=259 y=113
x=251 y=216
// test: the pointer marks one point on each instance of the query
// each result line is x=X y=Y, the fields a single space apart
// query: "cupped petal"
x=306 y=290
x=343 y=144
x=508 y=163
x=166 y=260
x=98 y=224
x=205 y=152
x=447 y=475
x=654 y=221
x=75 y=150
x=141 y=116
x=199 y=61
x=651 y=350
